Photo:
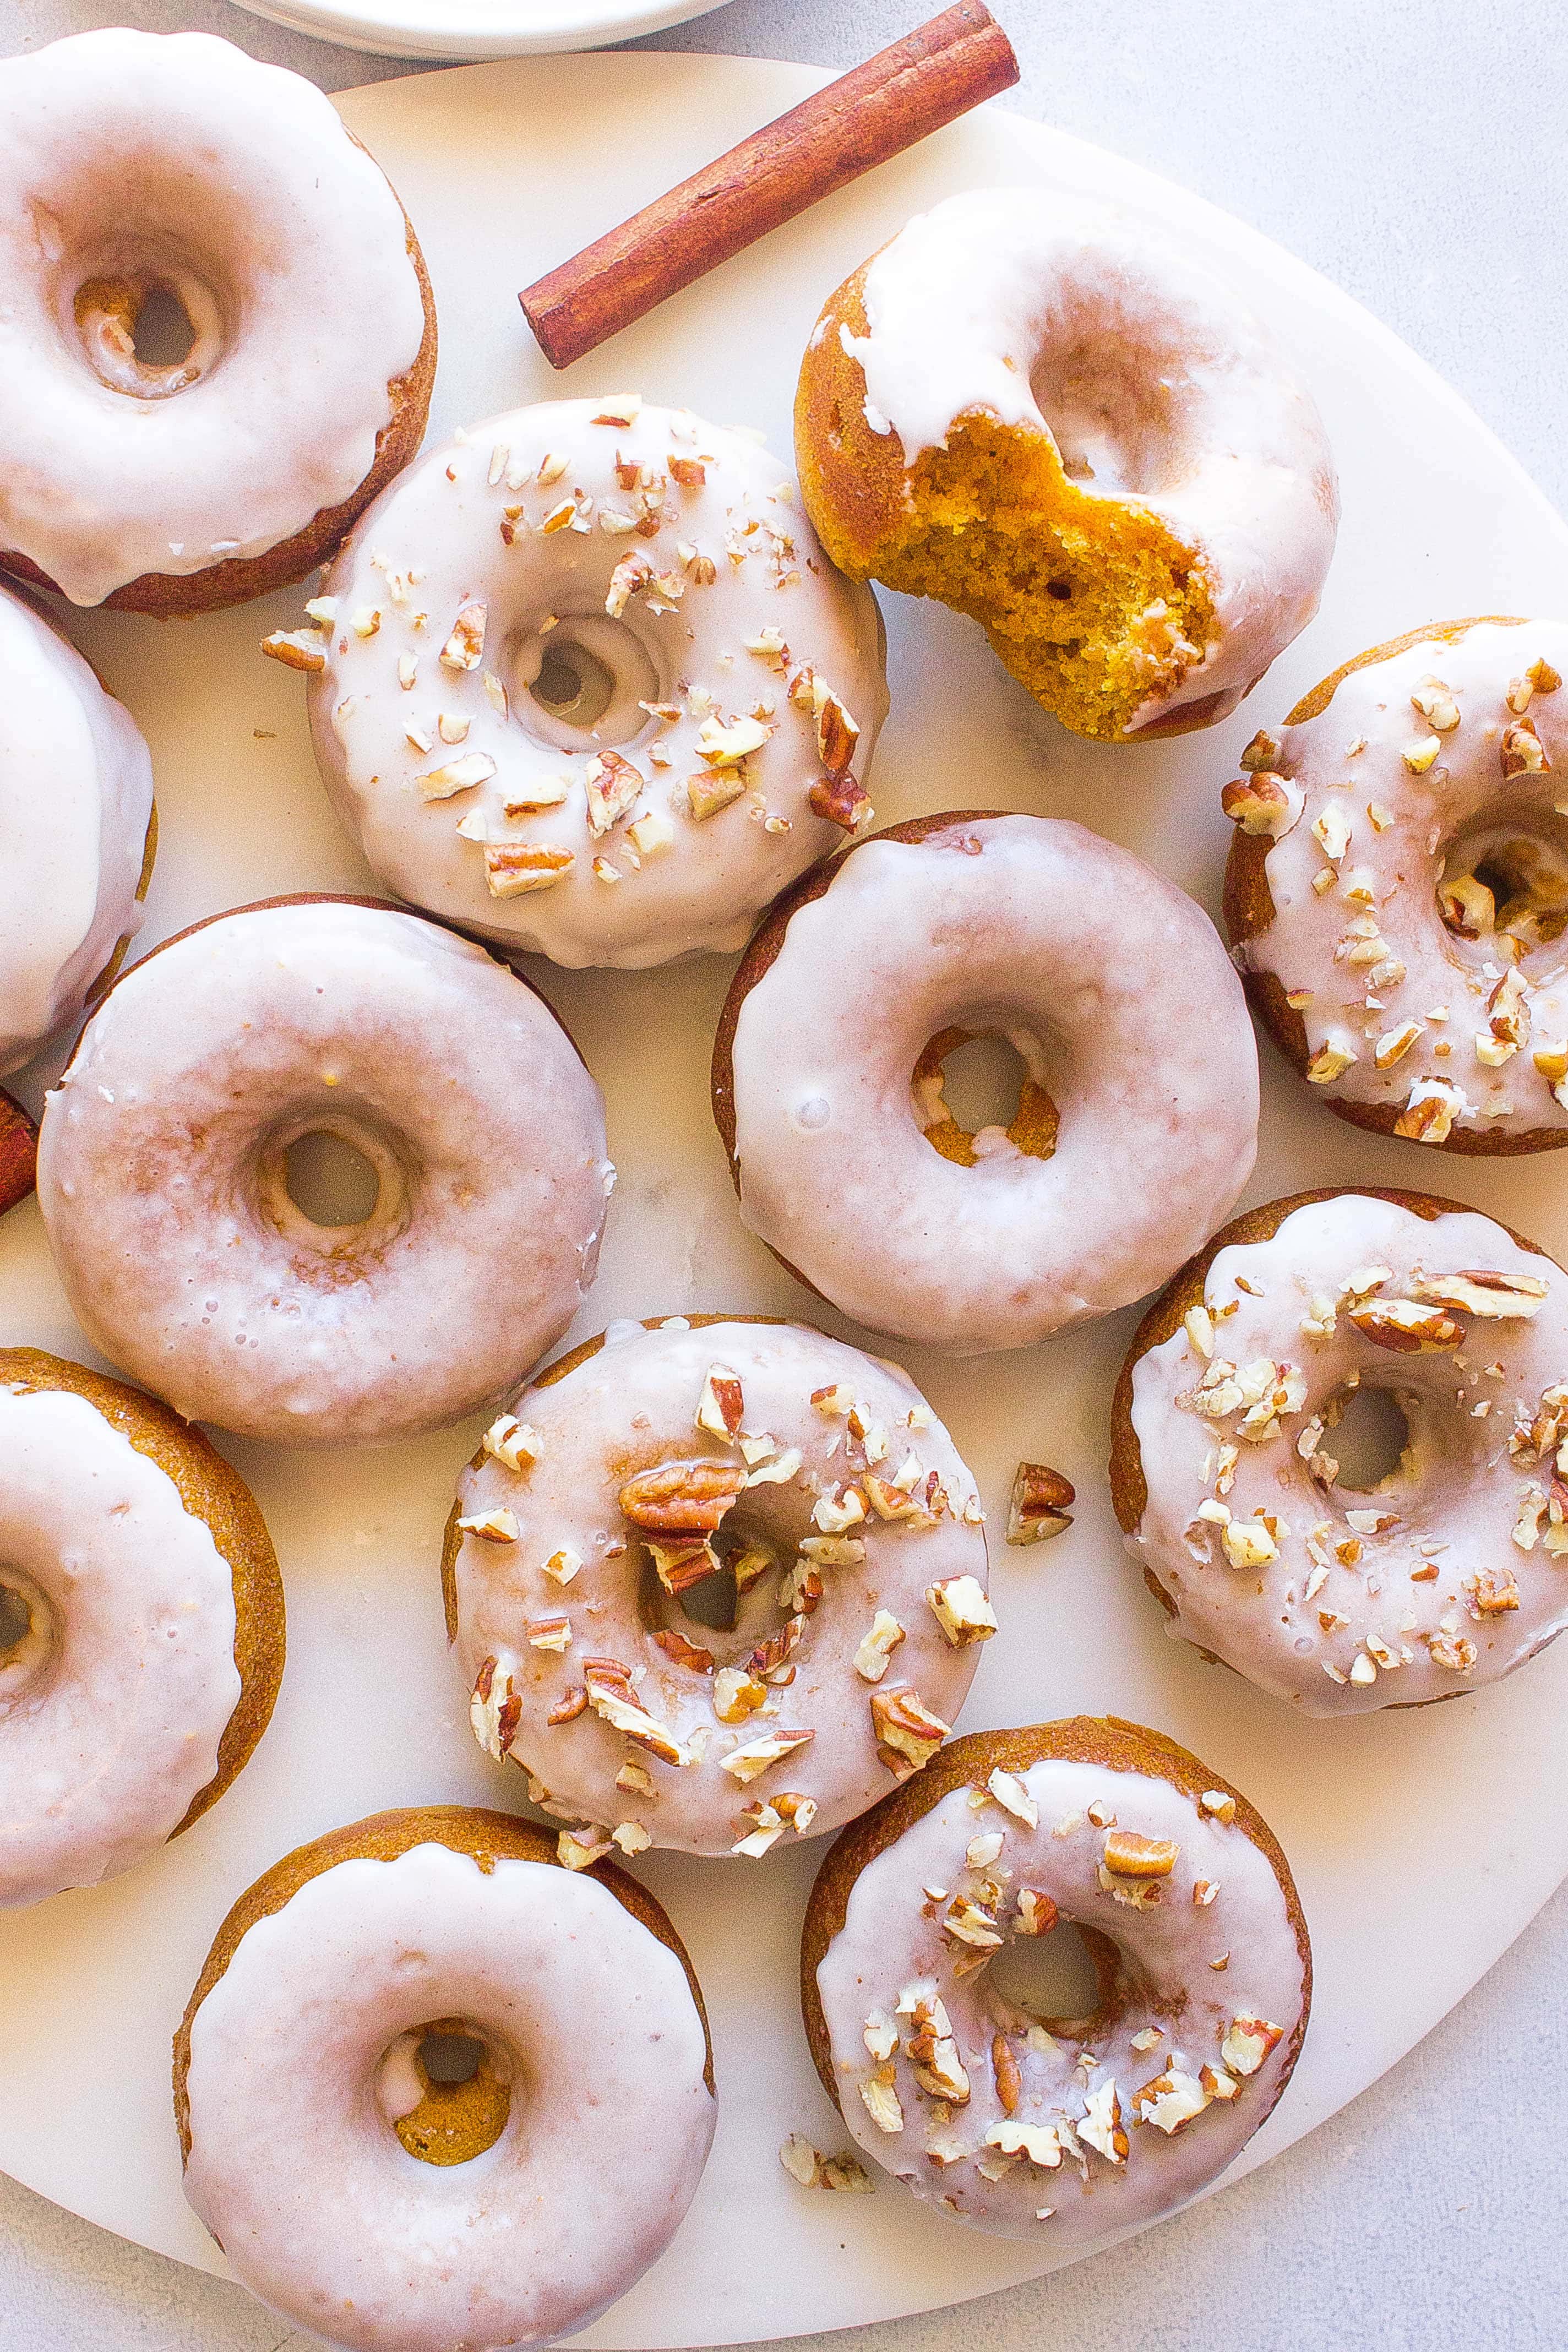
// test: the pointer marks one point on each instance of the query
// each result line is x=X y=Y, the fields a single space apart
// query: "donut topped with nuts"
x=1397 y=889
x=585 y=682
x=1447 y=1570
x=712 y=1579
x=924 y=1974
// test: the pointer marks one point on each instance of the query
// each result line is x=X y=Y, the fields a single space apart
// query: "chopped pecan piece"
x=684 y=1653
x=907 y=1733
x=1004 y=2066
x=681 y=1497
x=1407 y=1325
x=841 y=801
x=1038 y=1508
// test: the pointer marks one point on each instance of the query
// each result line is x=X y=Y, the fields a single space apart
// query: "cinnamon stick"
x=18 y=1152
x=929 y=78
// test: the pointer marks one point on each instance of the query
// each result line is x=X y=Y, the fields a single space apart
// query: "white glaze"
x=113 y=1706
x=1454 y=1502
x=464 y=526
x=124 y=154
x=76 y=798
x=893 y=1937
x=1347 y=769
x=1109 y=981
x=319 y=2207
x=631 y=1406
x=1075 y=320
x=160 y=1174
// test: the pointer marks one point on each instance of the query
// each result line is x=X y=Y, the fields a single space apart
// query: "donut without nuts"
x=1396 y=892
x=141 y=1631
x=1117 y=996
x=664 y=1469
x=1448 y=1572
x=1015 y=2122
x=617 y=712
x=1041 y=412
x=392 y=2210
x=77 y=824
x=143 y=173
x=163 y=1173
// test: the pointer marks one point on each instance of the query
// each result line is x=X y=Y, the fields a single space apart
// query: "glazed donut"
x=584 y=683
x=1397 y=887
x=163 y=1176
x=1041 y=412
x=582 y=1575
x=141 y=1626
x=168 y=189
x=352 y=2184
x=75 y=817
x=1009 y=2119
x=1450 y=1571
x=1112 y=988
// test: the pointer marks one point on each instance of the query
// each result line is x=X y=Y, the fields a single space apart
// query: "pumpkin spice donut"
x=1449 y=1571
x=1044 y=413
x=712 y=1578
x=77 y=822
x=216 y=335
x=584 y=683
x=1011 y=2120
x=1115 y=992
x=1397 y=887
x=141 y=1625
x=433 y=2090
x=165 y=1173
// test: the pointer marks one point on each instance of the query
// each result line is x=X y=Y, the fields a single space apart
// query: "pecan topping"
x=1407 y=1325
x=1038 y=1506
x=907 y=1733
x=681 y=1497
x=1004 y=2066
x=684 y=1653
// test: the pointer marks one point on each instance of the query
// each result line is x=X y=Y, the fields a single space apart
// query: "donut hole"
x=446 y=2088
x=977 y=1095
x=329 y=1180
x=738 y=1600
x=1370 y=1436
x=26 y=1631
x=585 y=679
x=1114 y=410
x=1062 y=1981
x=148 y=332
x=336 y=1186
x=1507 y=888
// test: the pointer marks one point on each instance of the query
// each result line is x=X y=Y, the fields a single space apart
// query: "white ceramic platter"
x=476 y=29
x=1421 y=1841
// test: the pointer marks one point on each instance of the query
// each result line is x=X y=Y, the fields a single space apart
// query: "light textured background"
x=1415 y=151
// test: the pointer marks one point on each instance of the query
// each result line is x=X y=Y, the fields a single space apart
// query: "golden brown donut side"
x=1249 y=909
x=473 y=1829
x=239 y=579
x=1107 y=1741
x=212 y=1490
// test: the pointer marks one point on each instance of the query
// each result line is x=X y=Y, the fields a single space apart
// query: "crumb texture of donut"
x=1396 y=892
x=431 y=1985
x=1055 y=423
x=1335 y=1446
x=142 y=1627
x=715 y=1584
x=1057 y=1983
x=218 y=339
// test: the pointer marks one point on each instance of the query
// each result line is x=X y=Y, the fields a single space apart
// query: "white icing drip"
x=440 y=526
x=178 y=156
x=1459 y=1492
x=183 y=1258
x=633 y=1405
x=76 y=793
x=294 y=2165
x=1399 y=856
x=1157 y=383
x=887 y=1944
x=1148 y=1056
x=109 y=1724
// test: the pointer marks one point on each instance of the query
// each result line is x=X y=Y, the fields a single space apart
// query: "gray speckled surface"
x=1415 y=151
